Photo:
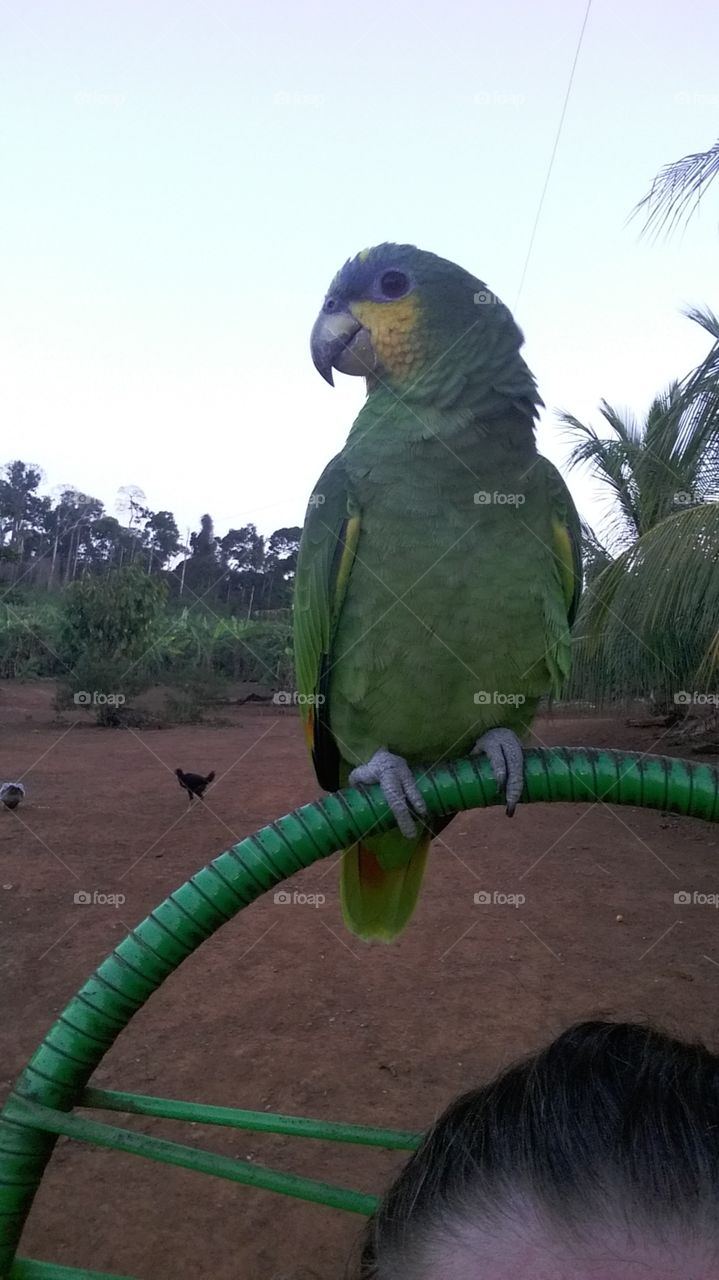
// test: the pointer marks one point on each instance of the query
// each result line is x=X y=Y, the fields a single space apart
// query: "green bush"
x=117 y=635
x=252 y=651
x=29 y=642
x=117 y=617
x=108 y=627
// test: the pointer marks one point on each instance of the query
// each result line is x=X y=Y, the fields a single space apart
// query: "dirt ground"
x=282 y=1010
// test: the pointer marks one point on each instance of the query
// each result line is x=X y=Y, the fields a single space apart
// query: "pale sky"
x=180 y=181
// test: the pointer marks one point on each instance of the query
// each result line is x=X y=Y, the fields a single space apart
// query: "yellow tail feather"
x=377 y=904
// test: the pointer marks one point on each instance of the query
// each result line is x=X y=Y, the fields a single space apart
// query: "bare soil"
x=282 y=1010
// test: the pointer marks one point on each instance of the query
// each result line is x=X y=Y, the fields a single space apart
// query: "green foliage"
x=116 y=617
x=648 y=625
x=118 y=635
x=259 y=651
x=29 y=641
x=108 y=626
x=90 y=601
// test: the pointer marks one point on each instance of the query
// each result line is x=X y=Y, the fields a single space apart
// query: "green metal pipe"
x=26 y=1269
x=60 y=1069
x=253 y=1121
x=211 y=1162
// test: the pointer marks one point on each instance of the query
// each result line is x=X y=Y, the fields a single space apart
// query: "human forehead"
x=612 y=1254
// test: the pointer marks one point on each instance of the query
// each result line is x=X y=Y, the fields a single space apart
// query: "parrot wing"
x=566 y=548
x=377 y=899
x=324 y=564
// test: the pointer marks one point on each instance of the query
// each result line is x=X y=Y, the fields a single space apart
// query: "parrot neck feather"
x=386 y=426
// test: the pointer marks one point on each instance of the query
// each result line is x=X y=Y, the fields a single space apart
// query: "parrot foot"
x=398 y=787
x=506 y=757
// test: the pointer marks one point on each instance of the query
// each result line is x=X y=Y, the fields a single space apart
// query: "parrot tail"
x=378 y=903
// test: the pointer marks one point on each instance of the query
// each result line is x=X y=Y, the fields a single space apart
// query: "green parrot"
x=439 y=569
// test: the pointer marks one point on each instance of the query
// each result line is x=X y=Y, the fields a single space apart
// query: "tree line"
x=49 y=542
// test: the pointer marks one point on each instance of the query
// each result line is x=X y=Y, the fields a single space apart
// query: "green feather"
x=377 y=903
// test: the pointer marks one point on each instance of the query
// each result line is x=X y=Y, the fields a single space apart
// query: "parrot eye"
x=394 y=284
x=330 y=304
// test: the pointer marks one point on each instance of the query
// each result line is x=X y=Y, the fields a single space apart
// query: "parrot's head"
x=407 y=319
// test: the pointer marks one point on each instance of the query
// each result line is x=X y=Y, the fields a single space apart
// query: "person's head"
x=595 y=1159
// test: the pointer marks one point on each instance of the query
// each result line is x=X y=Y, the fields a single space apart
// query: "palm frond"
x=611 y=462
x=596 y=556
x=677 y=190
x=623 y=424
x=649 y=620
x=705 y=317
x=698 y=403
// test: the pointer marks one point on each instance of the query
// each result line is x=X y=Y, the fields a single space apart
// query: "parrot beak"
x=340 y=342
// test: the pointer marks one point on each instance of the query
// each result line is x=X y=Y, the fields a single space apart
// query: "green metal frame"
x=55 y=1080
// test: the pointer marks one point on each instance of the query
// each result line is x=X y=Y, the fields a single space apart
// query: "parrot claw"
x=398 y=787
x=506 y=757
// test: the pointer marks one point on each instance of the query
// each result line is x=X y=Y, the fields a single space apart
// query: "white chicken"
x=11 y=793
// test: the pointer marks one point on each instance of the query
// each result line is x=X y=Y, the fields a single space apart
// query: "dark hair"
x=612 y=1122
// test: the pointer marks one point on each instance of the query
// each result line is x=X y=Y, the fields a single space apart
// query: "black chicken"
x=194 y=783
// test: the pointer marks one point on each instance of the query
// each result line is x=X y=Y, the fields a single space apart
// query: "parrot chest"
x=442 y=631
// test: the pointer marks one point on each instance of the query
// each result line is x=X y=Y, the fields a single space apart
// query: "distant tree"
x=161 y=537
x=280 y=566
x=202 y=571
x=102 y=542
x=132 y=503
x=283 y=545
x=243 y=548
x=20 y=506
x=242 y=553
x=68 y=526
x=204 y=543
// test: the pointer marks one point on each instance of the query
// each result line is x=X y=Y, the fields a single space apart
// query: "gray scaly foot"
x=506 y=757
x=398 y=787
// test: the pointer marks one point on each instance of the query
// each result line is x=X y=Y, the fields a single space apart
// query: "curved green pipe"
x=59 y=1070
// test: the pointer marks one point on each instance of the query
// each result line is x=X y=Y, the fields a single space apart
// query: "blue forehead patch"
x=354 y=280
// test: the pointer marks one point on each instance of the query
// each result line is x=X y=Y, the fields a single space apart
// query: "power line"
x=554 y=151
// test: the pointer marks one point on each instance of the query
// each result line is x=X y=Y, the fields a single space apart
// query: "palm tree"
x=649 y=622
x=673 y=197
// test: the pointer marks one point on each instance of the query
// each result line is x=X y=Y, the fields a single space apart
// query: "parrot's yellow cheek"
x=395 y=334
